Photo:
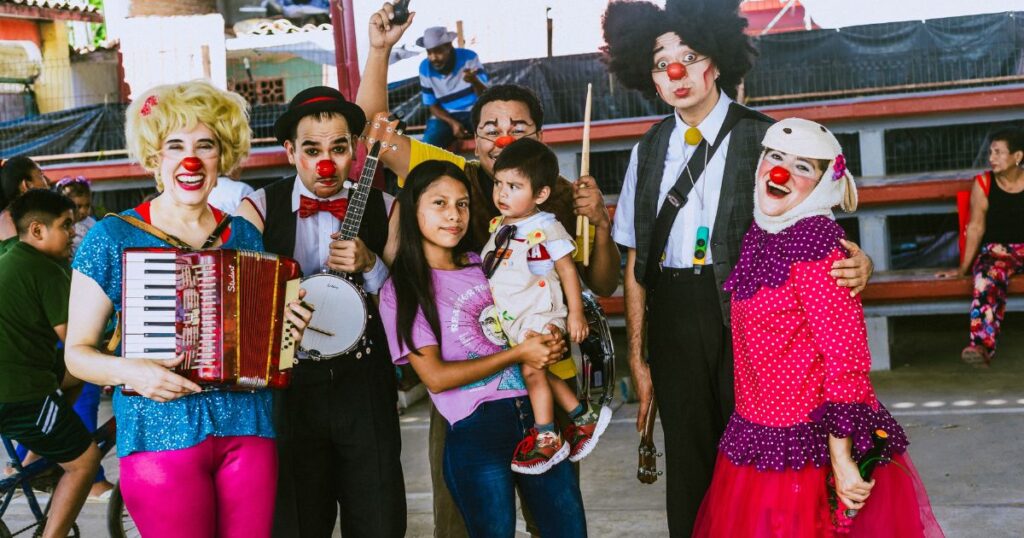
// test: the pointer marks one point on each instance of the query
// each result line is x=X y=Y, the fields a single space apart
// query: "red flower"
x=839 y=167
x=147 y=107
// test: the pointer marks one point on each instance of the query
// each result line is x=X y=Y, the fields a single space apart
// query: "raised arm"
x=372 y=96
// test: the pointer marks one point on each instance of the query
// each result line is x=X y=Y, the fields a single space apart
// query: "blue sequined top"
x=144 y=425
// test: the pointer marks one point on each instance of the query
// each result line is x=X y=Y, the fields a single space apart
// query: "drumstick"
x=583 y=221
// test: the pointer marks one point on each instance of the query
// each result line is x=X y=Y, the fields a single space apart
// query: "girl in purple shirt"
x=440 y=317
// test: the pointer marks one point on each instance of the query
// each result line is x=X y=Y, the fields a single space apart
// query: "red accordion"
x=222 y=309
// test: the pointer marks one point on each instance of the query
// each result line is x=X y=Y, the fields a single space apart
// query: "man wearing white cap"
x=450 y=80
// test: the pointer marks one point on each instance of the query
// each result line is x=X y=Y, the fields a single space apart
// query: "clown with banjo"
x=338 y=435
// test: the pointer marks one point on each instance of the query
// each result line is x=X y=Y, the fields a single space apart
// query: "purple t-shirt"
x=469 y=330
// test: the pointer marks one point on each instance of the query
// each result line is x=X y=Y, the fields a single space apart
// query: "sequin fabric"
x=801 y=359
x=766 y=259
x=142 y=424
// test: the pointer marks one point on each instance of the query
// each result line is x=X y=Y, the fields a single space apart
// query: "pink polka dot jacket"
x=801 y=353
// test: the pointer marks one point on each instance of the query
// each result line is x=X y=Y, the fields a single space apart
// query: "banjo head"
x=339 y=316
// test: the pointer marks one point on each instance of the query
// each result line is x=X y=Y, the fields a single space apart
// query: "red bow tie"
x=311 y=206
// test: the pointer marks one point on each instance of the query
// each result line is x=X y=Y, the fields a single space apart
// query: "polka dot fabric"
x=766 y=259
x=801 y=354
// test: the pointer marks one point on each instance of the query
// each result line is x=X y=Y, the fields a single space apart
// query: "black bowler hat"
x=315 y=100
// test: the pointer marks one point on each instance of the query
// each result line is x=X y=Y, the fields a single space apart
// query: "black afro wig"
x=710 y=27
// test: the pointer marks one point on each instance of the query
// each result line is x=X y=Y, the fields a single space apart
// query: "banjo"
x=338 y=325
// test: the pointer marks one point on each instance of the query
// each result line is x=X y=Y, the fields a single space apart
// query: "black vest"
x=279 y=227
x=735 y=206
x=279 y=238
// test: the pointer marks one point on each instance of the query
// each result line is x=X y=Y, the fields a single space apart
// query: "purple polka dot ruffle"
x=858 y=420
x=794 y=447
x=766 y=259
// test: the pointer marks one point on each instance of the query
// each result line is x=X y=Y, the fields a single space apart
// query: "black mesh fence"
x=939 y=148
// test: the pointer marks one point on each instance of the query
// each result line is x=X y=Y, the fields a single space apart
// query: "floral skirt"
x=743 y=501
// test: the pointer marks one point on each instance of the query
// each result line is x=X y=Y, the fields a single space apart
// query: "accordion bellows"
x=223 y=310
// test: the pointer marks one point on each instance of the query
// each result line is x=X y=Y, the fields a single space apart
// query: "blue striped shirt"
x=450 y=91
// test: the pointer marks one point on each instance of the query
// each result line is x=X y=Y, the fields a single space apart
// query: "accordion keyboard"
x=148 y=305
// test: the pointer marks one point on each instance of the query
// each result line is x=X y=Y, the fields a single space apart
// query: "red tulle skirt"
x=743 y=501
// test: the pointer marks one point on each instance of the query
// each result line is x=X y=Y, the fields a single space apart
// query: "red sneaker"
x=538 y=452
x=976 y=356
x=583 y=437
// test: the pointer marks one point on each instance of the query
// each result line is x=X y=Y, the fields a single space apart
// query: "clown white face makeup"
x=691 y=90
x=319 y=140
x=506 y=121
x=189 y=161
x=785 y=180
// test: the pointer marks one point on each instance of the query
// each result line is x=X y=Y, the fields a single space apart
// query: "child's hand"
x=578 y=326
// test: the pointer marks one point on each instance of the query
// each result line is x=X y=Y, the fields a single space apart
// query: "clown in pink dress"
x=805 y=406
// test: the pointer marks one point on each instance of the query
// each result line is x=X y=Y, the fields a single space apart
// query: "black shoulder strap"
x=677 y=195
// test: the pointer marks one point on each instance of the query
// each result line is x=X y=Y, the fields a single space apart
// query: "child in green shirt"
x=33 y=316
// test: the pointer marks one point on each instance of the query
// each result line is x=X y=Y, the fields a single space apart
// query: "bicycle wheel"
x=4 y=531
x=119 y=521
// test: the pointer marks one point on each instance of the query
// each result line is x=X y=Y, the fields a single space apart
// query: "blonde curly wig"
x=172 y=107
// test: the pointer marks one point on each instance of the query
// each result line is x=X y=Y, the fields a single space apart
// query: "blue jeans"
x=477 y=469
x=439 y=133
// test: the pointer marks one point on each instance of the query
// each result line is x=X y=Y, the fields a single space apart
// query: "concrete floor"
x=966 y=428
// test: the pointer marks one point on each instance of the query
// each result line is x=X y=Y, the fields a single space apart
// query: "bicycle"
x=43 y=475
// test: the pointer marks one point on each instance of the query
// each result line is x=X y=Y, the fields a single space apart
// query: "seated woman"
x=439 y=315
x=996 y=228
x=193 y=463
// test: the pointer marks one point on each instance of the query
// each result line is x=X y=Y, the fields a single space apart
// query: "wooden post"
x=461 y=39
x=551 y=30
x=345 y=56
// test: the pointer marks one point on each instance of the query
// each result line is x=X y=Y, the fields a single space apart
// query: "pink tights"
x=223 y=487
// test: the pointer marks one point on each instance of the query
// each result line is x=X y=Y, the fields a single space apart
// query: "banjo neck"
x=360 y=195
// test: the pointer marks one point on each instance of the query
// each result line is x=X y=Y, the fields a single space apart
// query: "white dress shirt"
x=228 y=194
x=708 y=187
x=313 y=234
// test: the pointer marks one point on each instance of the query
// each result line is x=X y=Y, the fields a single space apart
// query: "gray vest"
x=735 y=206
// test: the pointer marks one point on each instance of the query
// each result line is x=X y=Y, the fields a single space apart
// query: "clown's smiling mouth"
x=777 y=191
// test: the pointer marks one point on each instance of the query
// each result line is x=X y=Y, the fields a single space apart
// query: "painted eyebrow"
x=181 y=141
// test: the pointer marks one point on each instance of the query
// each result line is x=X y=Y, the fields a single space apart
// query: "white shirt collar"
x=711 y=124
x=299 y=190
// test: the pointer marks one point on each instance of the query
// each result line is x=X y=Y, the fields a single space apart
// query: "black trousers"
x=690 y=355
x=338 y=449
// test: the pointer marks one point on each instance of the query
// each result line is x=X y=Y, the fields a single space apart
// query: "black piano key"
x=158 y=323
x=159 y=297
x=159 y=335
x=158 y=308
x=159 y=271
x=159 y=286
x=158 y=350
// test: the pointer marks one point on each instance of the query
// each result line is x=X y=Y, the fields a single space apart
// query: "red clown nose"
x=192 y=164
x=326 y=168
x=503 y=141
x=778 y=175
x=675 y=71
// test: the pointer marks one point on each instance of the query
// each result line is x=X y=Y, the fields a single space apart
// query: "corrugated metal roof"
x=67 y=5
